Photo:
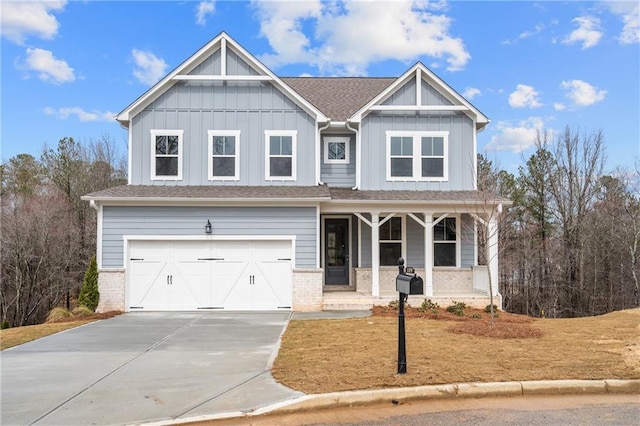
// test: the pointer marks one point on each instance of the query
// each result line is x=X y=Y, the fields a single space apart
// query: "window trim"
x=267 y=155
x=339 y=139
x=166 y=132
x=210 y=135
x=457 y=242
x=417 y=155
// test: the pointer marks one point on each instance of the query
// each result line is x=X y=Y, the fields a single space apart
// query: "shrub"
x=428 y=305
x=58 y=314
x=487 y=309
x=4 y=325
x=81 y=312
x=89 y=295
x=476 y=316
x=457 y=308
x=395 y=304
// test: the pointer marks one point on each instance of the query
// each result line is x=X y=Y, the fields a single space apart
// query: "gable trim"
x=221 y=41
x=420 y=73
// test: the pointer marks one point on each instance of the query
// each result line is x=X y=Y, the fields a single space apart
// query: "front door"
x=336 y=251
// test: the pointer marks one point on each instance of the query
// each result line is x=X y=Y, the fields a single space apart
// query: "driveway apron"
x=141 y=367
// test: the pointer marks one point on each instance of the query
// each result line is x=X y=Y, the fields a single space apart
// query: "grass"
x=18 y=335
x=319 y=356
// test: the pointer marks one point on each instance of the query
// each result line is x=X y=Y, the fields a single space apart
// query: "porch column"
x=375 y=254
x=492 y=248
x=428 y=254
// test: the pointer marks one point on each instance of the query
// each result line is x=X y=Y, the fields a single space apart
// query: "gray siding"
x=197 y=107
x=460 y=153
x=405 y=95
x=415 y=243
x=120 y=221
x=430 y=96
x=210 y=66
x=339 y=175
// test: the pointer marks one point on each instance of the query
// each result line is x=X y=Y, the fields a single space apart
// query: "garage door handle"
x=135 y=259
x=284 y=258
x=211 y=258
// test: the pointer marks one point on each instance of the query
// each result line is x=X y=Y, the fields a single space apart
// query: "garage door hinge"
x=211 y=258
x=211 y=307
x=284 y=258
x=284 y=307
x=135 y=258
x=136 y=307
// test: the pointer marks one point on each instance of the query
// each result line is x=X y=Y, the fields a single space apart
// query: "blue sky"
x=69 y=67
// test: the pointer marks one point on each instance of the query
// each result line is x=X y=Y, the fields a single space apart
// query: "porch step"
x=354 y=301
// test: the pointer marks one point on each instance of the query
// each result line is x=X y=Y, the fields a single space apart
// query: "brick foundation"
x=111 y=288
x=307 y=289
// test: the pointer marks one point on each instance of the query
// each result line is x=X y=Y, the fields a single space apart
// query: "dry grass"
x=335 y=355
x=18 y=335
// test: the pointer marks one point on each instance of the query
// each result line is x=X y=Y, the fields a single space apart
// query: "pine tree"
x=89 y=295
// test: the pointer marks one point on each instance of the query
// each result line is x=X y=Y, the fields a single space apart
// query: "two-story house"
x=252 y=191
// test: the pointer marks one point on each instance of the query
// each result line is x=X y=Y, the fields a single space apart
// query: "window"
x=166 y=154
x=391 y=241
x=281 y=155
x=224 y=157
x=336 y=150
x=445 y=242
x=413 y=156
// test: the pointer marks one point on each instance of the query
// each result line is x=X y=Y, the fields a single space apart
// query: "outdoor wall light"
x=207 y=227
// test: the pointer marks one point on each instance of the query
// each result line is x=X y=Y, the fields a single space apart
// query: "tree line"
x=48 y=232
x=569 y=244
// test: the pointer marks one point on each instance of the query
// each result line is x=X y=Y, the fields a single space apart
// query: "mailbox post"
x=407 y=282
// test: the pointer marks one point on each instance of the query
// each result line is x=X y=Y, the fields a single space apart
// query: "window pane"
x=450 y=229
x=396 y=146
x=438 y=146
x=407 y=146
x=280 y=166
x=396 y=228
x=401 y=167
x=432 y=167
x=172 y=148
x=218 y=145
x=167 y=166
x=438 y=231
x=427 y=146
x=161 y=144
x=287 y=145
x=336 y=151
x=274 y=145
x=389 y=253
x=444 y=254
x=224 y=166
x=385 y=231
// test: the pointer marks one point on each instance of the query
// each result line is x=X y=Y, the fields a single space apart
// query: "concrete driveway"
x=141 y=367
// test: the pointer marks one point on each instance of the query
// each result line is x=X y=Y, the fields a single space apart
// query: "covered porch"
x=435 y=234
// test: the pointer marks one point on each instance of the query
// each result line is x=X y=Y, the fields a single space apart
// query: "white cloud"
x=80 y=114
x=526 y=34
x=22 y=18
x=629 y=12
x=524 y=96
x=471 y=92
x=204 y=8
x=588 y=32
x=516 y=138
x=348 y=35
x=582 y=93
x=49 y=68
x=149 y=68
x=559 y=106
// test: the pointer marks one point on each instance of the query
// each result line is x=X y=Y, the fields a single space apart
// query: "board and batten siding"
x=339 y=175
x=197 y=107
x=461 y=155
x=406 y=95
x=119 y=221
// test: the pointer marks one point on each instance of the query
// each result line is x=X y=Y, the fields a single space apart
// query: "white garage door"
x=200 y=275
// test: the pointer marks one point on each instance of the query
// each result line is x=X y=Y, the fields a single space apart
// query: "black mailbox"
x=409 y=284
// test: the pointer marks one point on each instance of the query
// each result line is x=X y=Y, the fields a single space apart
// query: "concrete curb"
x=434 y=392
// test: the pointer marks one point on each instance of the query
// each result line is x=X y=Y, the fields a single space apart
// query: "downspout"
x=318 y=156
x=357 y=132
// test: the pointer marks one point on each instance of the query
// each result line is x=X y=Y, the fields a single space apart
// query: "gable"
x=220 y=60
x=419 y=89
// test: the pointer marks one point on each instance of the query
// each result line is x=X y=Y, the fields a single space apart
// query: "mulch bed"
x=95 y=316
x=475 y=321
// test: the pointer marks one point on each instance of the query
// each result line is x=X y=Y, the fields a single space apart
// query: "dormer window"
x=166 y=154
x=417 y=156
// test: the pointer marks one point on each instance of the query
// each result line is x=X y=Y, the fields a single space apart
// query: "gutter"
x=358 y=154
x=318 y=155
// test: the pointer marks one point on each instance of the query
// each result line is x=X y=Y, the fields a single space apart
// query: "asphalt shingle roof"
x=212 y=191
x=338 y=97
x=455 y=197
